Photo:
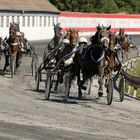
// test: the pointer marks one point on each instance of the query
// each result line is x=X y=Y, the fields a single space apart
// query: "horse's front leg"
x=79 y=83
x=18 y=59
x=100 y=81
x=6 y=63
x=57 y=82
x=90 y=81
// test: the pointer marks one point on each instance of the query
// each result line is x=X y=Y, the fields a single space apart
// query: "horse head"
x=13 y=29
x=73 y=37
x=57 y=28
x=103 y=35
x=121 y=32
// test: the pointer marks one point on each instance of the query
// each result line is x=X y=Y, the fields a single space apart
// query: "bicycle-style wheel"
x=48 y=85
x=110 y=87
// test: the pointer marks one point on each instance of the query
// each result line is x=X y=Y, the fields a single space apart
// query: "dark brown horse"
x=13 y=52
x=94 y=59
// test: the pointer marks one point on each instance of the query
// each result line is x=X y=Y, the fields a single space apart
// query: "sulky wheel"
x=122 y=88
x=34 y=64
x=110 y=91
x=48 y=85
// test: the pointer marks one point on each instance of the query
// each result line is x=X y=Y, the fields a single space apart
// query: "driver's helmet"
x=83 y=40
x=66 y=41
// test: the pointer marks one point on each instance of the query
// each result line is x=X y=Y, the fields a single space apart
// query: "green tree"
x=98 y=6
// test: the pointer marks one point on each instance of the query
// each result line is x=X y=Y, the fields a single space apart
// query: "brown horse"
x=64 y=50
x=124 y=42
x=14 y=49
x=73 y=36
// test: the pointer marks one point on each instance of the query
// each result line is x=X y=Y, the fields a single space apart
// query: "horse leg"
x=127 y=54
x=122 y=52
x=18 y=59
x=100 y=81
x=57 y=82
x=100 y=90
x=6 y=63
x=137 y=50
x=89 y=85
x=79 y=87
x=79 y=84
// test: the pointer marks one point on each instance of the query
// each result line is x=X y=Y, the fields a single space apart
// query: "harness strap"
x=14 y=44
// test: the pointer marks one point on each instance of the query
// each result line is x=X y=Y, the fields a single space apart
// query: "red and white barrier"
x=86 y=22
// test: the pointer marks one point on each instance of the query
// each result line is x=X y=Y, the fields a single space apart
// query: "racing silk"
x=69 y=61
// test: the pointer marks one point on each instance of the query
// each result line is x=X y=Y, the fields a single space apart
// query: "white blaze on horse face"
x=105 y=41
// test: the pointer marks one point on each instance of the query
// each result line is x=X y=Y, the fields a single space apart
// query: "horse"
x=73 y=36
x=64 y=50
x=58 y=36
x=93 y=62
x=13 y=51
x=124 y=43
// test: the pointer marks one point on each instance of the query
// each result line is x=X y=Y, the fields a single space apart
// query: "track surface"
x=24 y=115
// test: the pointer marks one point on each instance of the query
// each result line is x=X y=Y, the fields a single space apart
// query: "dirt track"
x=25 y=115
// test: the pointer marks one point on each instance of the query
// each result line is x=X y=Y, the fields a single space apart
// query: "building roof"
x=28 y=5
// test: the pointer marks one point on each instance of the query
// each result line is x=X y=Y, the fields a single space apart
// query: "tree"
x=98 y=6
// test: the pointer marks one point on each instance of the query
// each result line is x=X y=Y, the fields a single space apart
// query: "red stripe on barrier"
x=94 y=29
x=88 y=15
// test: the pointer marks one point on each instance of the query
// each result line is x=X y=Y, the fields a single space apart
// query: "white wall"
x=39 y=31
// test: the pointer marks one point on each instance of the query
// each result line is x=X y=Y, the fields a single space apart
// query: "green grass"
x=136 y=72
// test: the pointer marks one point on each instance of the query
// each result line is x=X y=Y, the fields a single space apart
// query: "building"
x=35 y=17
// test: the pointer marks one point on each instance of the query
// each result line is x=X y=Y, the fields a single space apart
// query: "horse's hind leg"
x=79 y=83
x=100 y=90
x=89 y=85
x=137 y=50
x=100 y=81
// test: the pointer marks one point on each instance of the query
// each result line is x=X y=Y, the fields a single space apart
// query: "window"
x=13 y=19
x=18 y=21
x=28 y=21
x=7 y=21
x=40 y=21
x=49 y=22
x=2 y=21
x=36 y=21
x=33 y=21
x=23 y=21
x=56 y=20
x=53 y=20
x=45 y=21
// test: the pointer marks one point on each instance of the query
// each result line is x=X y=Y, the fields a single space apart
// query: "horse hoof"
x=55 y=88
x=83 y=87
x=80 y=96
x=100 y=94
